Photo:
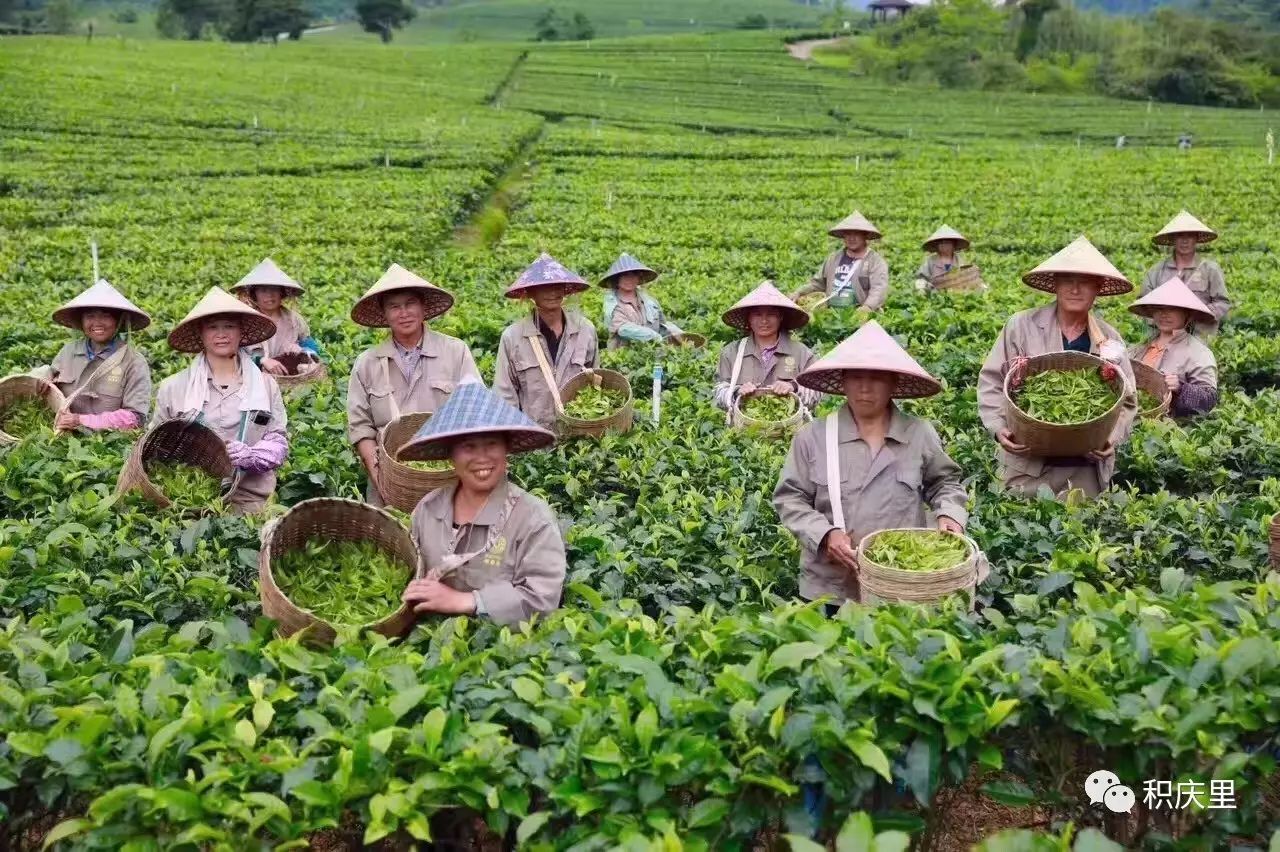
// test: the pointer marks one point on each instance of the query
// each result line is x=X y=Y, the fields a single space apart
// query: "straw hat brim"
x=1047 y=281
x=1149 y=311
x=520 y=439
x=292 y=289
x=962 y=244
x=570 y=288
x=840 y=232
x=70 y=317
x=646 y=274
x=368 y=311
x=832 y=381
x=792 y=318
x=1166 y=239
x=185 y=337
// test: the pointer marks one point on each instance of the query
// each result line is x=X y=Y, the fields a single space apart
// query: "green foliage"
x=917 y=550
x=1065 y=396
x=383 y=16
x=251 y=20
x=26 y=417
x=593 y=403
x=769 y=407
x=187 y=486
x=552 y=26
x=343 y=582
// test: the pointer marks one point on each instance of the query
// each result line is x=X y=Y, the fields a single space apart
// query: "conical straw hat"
x=256 y=328
x=1080 y=258
x=1184 y=223
x=1173 y=294
x=946 y=232
x=855 y=221
x=101 y=295
x=766 y=296
x=869 y=348
x=627 y=263
x=368 y=311
x=473 y=409
x=545 y=272
x=267 y=274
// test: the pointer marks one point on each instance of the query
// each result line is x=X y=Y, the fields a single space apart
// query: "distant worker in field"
x=542 y=351
x=852 y=275
x=226 y=391
x=1077 y=275
x=1189 y=368
x=1201 y=274
x=767 y=358
x=266 y=287
x=105 y=378
x=417 y=370
x=631 y=314
x=865 y=468
x=488 y=547
x=943 y=256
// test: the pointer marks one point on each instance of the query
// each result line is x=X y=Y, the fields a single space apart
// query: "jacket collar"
x=898 y=424
x=431 y=345
x=442 y=508
x=786 y=346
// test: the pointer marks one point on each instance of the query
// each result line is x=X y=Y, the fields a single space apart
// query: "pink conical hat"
x=1079 y=258
x=869 y=348
x=766 y=296
x=1184 y=223
x=1172 y=294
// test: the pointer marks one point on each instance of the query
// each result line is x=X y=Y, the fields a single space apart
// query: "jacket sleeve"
x=120 y=419
x=724 y=372
x=1129 y=404
x=878 y=276
x=359 y=415
x=944 y=489
x=505 y=379
x=1151 y=281
x=817 y=283
x=629 y=330
x=991 y=382
x=467 y=370
x=795 y=495
x=923 y=281
x=538 y=580
x=593 y=348
x=44 y=372
x=137 y=389
x=1219 y=302
x=668 y=327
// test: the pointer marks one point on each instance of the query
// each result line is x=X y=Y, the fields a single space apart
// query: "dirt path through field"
x=804 y=49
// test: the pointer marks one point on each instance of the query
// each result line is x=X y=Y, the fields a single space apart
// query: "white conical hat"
x=855 y=221
x=267 y=274
x=946 y=232
x=101 y=295
x=869 y=348
x=256 y=328
x=1079 y=258
x=1172 y=294
x=1184 y=223
x=368 y=311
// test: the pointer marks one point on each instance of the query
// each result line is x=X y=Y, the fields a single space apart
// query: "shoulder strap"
x=391 y=392
x=833 y=470
x=113 y=361
x=535 y=343
x=733 y=378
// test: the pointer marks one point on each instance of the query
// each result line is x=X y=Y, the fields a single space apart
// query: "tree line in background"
x=1216 y=53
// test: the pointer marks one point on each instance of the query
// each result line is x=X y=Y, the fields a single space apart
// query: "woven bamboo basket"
x=404 y=486
x=15 y=388
x=964 y=279
x=294 y=362
x=331 y=519
x=766 y=428
x=1152 y=381
x=177 y=441
x=1275 y=542
x=1055 y=439
x=809 y=301
x=690 y=340
x=619 y=421
x=882 y=584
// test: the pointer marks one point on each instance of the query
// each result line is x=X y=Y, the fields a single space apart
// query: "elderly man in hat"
x=854 y=274
x=415 y=371
x=632 y=315
x=546 y=348
x=488 y=547
x=266 y=287
x=227 y=392
x=105 y=379
x=1077 y=275
x=1189 y=368
x=768 y=357
x=1202 y=275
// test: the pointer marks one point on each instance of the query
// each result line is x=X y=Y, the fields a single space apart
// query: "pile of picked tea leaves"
x=186 y=485
x=343 y=582
x=25 y=417
x=769 y=407
x=1148 y=401
x=592 y=403
x=917 y=550
x=432 y=465
x=1065 y=397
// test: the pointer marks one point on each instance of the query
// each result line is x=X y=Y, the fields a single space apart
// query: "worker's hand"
x=1112 y=350
x=1103 y=453
x=747 y=389
x=862 y=313
x=781 y=387
x=1017 y=366
x=839 y=549
x=950 y=525
x=1005 y=437
x=1172 y=381
x=274 y=367
x=66 y=421
x=428 y=596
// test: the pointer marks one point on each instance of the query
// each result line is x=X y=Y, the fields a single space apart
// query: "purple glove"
x=267 y=454
x=238 y=452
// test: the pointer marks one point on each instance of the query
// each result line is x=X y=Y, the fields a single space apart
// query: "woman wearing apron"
x=266 y=287
x=488 y=547
x=541 y=352
x=854 y=274
x=105 y=379
x=226 y=391
x=767 y=358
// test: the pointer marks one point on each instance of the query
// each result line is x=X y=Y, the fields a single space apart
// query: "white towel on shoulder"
x=254 y=397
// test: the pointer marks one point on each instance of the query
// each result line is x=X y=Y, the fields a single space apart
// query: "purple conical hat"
x=544 y=272
x=627 y=263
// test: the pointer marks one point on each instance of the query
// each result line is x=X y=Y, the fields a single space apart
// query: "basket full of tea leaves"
x=27 y=407
x=595 y=402
x=1064 y=405
x=918 y=565
x=1154 y=395
x=405 y=483
x=766 y=412
x=330 y=563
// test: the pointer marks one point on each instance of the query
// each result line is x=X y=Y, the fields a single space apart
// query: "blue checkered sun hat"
x=473 y=409
x=627 y=263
